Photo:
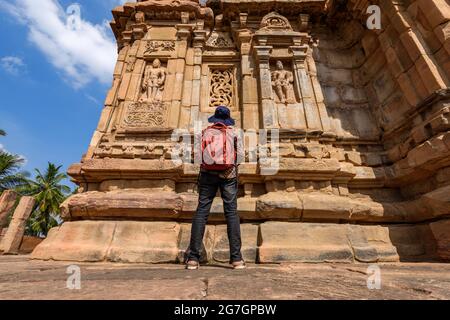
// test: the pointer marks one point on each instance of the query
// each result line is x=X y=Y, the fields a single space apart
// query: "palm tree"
x=49 y=192
x=10 y=176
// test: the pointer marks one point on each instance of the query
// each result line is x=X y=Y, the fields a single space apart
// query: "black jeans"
x=208 y=186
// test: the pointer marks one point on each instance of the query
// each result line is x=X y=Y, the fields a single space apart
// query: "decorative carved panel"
x=220 y=40
x=221 y=87
x=157 y=46
x=146 y=115
x=275 y=21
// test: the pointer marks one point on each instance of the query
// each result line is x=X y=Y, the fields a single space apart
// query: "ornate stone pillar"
x=249 y=86
x=178 y=114
x=268 y=109
x=198 y=45
x=304 y=86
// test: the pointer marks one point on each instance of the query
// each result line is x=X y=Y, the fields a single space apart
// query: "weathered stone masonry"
x=364 y=132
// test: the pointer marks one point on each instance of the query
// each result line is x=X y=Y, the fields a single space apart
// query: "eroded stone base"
x=268 y=242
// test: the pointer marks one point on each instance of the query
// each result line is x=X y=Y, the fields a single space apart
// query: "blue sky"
x=53 y=77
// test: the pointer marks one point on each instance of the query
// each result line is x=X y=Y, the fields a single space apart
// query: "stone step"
x=276 y=205
x=268 y=242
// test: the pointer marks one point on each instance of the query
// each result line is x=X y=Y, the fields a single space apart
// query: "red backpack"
x=218 y=147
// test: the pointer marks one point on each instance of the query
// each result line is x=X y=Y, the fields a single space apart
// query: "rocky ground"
x=22 y=278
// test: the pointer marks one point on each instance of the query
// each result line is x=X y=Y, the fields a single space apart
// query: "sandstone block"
x=408 y=240
x=437 y=201
x=334 y=76
x=441 y=232
x=283 y=205
x=304 y=242
x=7 y=201
x=436 y=11
x=412 y=45
x=29 y=244
x=309 y=165
x=351 y=95
x=131 y=203
x=353 y=157
x=246 y=207
x=146 y=242
x=11 y=241
x=207 y=246
x=431 y=77
x=378 y=238
x=428 y=151
x=362 y=250
x=249 y=236
x=325 y=206
x=77 y=241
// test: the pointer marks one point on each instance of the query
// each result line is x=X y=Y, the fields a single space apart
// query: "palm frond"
x=13 y=181
x=9 y=163
x=49 y=193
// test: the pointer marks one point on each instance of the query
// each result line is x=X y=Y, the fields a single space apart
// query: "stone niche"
x=363 y=133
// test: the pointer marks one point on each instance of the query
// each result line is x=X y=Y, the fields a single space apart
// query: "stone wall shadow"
x=413 y=242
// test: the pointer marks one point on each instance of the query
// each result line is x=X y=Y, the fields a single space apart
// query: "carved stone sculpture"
x=282 y=83
x=153 y=82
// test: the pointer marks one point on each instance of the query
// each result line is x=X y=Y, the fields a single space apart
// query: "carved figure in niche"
x=282 y=82
x=153 y=83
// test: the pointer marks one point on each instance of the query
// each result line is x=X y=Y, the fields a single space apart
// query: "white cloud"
x=83 y=51
x=12 y=65
x=92 y=99
x=117 y=2
x=12 y=10
x=120 y=2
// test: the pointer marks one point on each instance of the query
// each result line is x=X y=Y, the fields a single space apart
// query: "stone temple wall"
x=363 y=122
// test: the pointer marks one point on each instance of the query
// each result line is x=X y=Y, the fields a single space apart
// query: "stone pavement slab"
x=23 y=278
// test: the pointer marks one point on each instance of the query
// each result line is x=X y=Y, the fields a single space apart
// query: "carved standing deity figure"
x=153 y=83
x=282 y=81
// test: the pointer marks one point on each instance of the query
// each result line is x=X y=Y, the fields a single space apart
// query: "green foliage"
x=47 y=188
x=10 y=176
x=49 y=192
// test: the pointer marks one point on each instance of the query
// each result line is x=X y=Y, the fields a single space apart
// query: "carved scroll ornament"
x=146 y=114
x=221 y=88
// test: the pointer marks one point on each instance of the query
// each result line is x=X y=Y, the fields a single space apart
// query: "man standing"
x=220 y=151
